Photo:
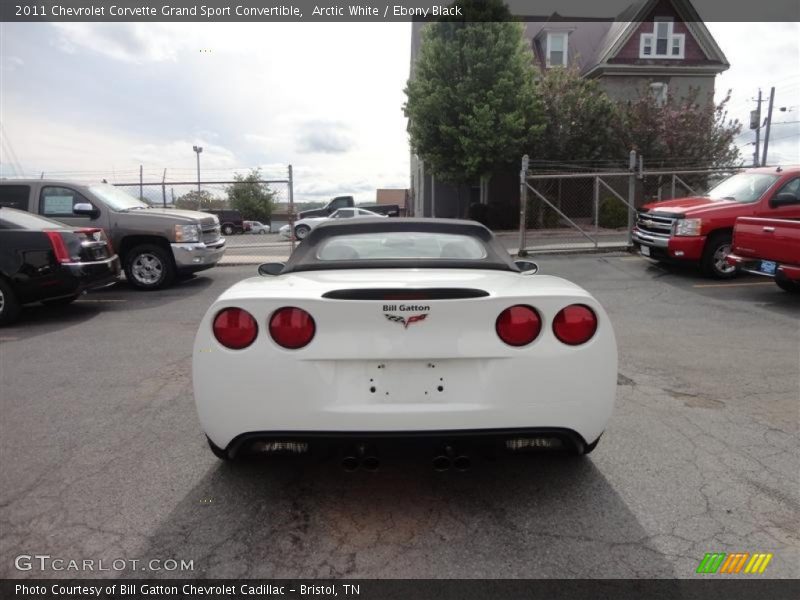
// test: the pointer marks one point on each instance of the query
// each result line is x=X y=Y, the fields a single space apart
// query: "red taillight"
x=518 y=325
x=292 y=327
x=235 y=328
x=575 y=324
x=59 y=247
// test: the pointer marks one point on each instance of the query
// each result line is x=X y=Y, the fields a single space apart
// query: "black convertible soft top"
x=304 y=258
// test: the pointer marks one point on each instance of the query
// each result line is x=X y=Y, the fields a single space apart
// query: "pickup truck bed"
x=769 y=247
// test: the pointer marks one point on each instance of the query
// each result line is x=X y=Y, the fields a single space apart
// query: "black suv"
x=44 y=261
x=229 y=220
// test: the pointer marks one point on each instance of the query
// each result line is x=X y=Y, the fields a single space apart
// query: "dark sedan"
x=44 y=261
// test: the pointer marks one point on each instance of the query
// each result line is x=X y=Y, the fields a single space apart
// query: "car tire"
x=149 y=267
x=787 y=285
x=228 y=229
x=718 y=246
x=217 y=451
x=262 y=231
x=9 y=305
x=301 y=231
x=61 y=301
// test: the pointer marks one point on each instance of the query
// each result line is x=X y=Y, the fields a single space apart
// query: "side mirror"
x=275 y=268
x=784 y=199
x=527 y=267
x=85 y=209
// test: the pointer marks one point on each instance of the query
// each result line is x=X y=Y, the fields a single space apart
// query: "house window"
x=556 y=49
x=662 y=42
x=659 y=92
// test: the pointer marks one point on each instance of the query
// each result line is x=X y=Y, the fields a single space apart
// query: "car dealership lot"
x=103 y=457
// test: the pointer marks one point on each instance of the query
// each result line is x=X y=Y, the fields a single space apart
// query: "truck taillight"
x=292 y=327
x=235 y=328
x=59 y=246
x=518 y=325
x=575 y=324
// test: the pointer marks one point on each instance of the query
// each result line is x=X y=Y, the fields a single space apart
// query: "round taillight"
x=292 y=327
x=575 y=324
x=518 y=325
x=235 y=328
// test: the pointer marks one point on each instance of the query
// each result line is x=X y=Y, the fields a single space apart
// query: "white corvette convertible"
x=393 y=330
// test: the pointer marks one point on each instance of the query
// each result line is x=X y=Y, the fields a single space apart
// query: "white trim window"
x=557 y=49
x=662 y=42
x=659 y=91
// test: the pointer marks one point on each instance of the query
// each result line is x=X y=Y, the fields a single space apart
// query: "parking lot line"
x=716 y=285
x=102 y=300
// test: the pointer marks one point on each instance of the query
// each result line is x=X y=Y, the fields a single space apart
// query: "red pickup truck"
x=700 y=229
x=768 y=247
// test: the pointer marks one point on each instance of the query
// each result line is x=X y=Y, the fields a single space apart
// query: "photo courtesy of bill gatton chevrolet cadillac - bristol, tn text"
x=426 y=332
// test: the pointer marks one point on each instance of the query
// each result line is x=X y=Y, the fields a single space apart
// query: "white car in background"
x=422 y=332
x=257 y=227
x=302 y=227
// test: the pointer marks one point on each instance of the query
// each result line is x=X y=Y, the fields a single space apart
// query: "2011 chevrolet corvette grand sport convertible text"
x=406 y=331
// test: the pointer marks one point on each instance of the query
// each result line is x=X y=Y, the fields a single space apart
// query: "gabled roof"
x=628 y=22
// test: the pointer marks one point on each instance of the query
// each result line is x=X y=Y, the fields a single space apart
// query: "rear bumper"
x=198 y=256
x=752 y=265
x=512 y=440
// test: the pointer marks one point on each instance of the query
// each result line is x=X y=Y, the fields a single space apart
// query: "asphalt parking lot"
x=102 y=456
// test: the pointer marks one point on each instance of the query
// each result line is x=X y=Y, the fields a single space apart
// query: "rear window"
x=16 y=219
x=399 y=245
x=15 y=196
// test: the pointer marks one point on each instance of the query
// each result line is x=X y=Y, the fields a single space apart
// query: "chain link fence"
x=595 y=209
x=250 y=197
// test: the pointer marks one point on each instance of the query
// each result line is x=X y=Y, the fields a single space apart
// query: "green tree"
x=471 y=103
x=251 y=197
x=201 y=200
x=579 y=118
x=686 y=132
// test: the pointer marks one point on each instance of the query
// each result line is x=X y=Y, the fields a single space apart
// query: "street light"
x=198 y=150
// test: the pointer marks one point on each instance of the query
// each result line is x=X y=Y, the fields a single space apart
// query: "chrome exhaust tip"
x=441 y=463
x=371 y=463
x=350 y=463
x=462 y=462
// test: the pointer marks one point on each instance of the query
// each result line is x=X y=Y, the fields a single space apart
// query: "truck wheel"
x=149 y=267
x=713 y=263
x=787 y=285
x=9 y=306
x=301 y=231
x=228 y=229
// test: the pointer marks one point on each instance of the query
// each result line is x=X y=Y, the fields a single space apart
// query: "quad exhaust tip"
x=361 y=457
x=449 y=458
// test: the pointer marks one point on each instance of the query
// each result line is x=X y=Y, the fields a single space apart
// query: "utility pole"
x=769 y=123
x=755 y=123
x=141 y=184
x=164 y=189
x=291 y=205
x=198 y=150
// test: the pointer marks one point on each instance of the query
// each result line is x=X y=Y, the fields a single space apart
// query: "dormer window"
x=557 y=49
x=663 y=42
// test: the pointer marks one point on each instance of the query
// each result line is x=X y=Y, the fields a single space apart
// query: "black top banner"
x=377 y=11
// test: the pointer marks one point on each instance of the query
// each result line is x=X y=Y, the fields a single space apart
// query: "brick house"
x=656 y=45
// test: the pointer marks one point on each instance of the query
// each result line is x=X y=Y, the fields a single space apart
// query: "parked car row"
x=748 y=222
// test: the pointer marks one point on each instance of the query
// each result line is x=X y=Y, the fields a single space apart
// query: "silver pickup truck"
x=154 y=244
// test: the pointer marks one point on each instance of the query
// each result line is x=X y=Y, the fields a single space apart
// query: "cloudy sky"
x=87 y=101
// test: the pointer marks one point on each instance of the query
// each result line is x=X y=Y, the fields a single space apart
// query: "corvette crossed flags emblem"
x=405 y=322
